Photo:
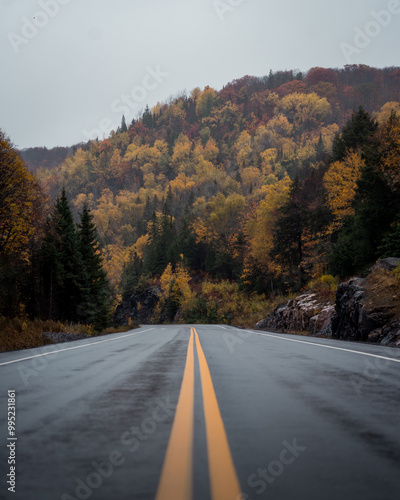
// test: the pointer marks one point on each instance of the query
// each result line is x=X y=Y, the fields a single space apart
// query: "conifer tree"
x=131 y=274
x=356 y=134
x=123 y=127
x=289 y=234
x=98 y=293
x=65 y=278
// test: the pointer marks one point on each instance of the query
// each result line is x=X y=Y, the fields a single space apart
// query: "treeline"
x=226 y=160
x=50 y=268
x=267 y=184
x=338 y=217
x=41 y=157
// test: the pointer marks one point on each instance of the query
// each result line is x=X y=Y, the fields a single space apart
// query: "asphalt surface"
x=304 y=418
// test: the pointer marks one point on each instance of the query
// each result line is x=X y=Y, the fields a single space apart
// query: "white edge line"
x=71 y=348
x=326 y=346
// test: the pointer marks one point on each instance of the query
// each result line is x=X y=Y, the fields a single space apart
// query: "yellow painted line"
x=224 y=481
x=177 y=473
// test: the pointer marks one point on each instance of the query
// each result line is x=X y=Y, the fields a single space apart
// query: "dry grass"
x=20 y=333
x=383 y=291
x=324 y=287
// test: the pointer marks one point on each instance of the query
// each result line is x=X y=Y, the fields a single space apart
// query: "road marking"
x=223 y=478
x=71 y=348
x=327 y=346
x=177 y=473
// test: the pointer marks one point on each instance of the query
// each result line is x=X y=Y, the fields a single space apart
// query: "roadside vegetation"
x=20 y=333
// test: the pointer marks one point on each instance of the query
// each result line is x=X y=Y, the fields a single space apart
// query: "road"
x=210 y=412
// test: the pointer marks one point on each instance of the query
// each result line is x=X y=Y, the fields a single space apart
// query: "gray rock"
x=388 y=264
x=304 y=313
x=60 y=337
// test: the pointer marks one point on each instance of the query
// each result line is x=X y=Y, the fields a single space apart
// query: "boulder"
x=354 y=319
x=350 y=320
x=321 y=323
x=388 y=264
x=303 y=313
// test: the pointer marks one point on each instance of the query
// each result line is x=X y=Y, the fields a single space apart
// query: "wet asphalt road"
x=303 y=420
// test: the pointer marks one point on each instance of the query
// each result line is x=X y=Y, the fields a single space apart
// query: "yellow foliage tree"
x=220 y=223
x=260 y=228
x=304 y=110
x=205 y=102
x=341 y=183
x=243 y=147
x=19 y=199
x=387 y=109
x=181 y=157
x=389 y=134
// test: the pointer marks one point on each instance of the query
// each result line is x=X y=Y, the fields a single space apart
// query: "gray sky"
x=87 y=61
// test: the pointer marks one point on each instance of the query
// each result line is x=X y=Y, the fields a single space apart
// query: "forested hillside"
x=257 y=188
x=46 y=159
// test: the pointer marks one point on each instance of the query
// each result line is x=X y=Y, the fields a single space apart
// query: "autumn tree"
x=304 y=110
x=376 y=201
x=341 y=183
x=22 y=216
x=19 y=193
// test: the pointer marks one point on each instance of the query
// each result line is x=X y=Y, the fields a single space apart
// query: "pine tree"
x=65 y=279
x=147 y=117
x=162 y=248
x=362 y=235
x=131 y=274
x=123 y=127
x=289 y=235
x=356 y=134
x=390 y=246
x=98 y=295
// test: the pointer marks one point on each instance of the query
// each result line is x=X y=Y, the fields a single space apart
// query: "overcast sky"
x=70 y=68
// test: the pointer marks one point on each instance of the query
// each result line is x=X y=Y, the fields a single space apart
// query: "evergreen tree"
x=356 y=134
x=390 y=246
x=123 y=127
x=64 y=274
x=288 y=238
x=186 y=241
x=161 y=249
x=131 y=274
x=147 y=118
x=97 y=299
x=358 y=245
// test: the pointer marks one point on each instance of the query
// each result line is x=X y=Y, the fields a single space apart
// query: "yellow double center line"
x=176 y=481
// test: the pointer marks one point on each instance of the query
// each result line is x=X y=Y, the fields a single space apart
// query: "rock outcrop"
x=351 y=321
x=361 y=314
x=138 y=308
x=365 y=310
x=304 y=313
